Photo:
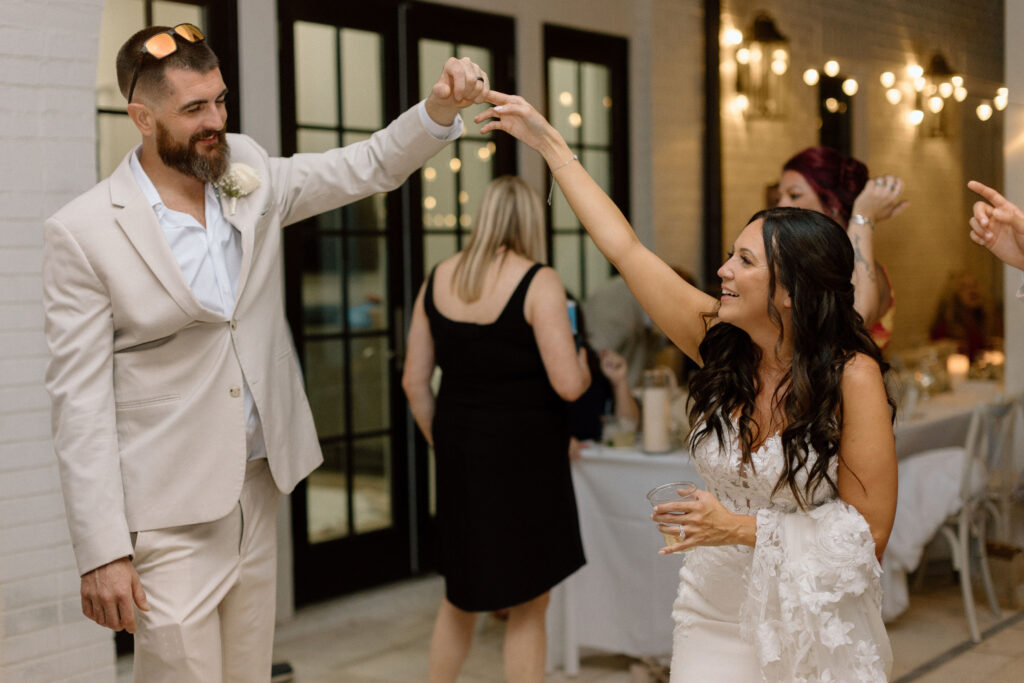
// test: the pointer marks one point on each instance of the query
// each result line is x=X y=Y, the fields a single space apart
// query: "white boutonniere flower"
x=240 y=181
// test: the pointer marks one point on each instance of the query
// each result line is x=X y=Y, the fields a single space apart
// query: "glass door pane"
x=454 y=180
x=344 y=290
x=581 y=106
x=116 y=135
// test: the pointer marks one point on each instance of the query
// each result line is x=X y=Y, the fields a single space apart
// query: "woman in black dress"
x=495 y=321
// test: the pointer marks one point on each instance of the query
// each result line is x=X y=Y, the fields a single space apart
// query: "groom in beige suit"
x=178 y=406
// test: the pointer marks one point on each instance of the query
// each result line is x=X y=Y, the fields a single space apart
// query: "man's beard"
x=186 y=158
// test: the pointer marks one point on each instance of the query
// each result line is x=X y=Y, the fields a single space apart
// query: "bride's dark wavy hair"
x=810 y=256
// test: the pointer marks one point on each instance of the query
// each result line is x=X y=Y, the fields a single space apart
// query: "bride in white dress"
x=793 y=435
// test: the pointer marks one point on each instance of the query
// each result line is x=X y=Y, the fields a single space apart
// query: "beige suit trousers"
x=211 y=590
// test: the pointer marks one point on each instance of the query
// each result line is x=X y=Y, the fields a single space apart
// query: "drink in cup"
x=672 y=493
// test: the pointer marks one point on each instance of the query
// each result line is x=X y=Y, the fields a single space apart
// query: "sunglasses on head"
x=163 y=44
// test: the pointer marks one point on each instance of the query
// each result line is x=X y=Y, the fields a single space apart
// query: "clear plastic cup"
x=672 y=493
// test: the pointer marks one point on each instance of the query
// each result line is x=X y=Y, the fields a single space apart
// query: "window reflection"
x=579 y=96
x=454 y=180
x=116 y=135
x=339 y=101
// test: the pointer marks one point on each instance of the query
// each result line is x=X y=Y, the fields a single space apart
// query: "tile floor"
x=382 y=636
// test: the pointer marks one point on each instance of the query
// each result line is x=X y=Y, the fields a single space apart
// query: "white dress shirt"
x=210 y=258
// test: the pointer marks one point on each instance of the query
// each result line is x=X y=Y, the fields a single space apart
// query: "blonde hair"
x=511 y=216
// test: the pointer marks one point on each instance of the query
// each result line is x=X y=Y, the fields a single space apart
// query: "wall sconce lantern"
x=762 y=60
x=933 y=92
x=937 y=84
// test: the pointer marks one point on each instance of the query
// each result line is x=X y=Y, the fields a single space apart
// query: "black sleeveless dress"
x=506 y=511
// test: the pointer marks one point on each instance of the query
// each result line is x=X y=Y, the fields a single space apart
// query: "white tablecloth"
x=621 y=600
x=942 y=420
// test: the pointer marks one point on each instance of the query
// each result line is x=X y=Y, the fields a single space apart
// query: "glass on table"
x=672 y=493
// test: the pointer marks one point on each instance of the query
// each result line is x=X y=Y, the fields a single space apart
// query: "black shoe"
x=281 y=672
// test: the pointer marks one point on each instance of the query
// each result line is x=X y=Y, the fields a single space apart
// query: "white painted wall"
x=47 y=144
x=1013 y=154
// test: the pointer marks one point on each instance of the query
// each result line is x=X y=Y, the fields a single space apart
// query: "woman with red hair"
x=823 y=179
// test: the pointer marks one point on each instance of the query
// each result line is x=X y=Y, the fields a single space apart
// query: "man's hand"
x=108 y=593
x=461 y=84
x=998 y=225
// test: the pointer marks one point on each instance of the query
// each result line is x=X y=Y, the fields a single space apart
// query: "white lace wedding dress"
x=803 y=604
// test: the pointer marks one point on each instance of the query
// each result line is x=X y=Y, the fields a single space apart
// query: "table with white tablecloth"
x=621 y=600
x=942 y=420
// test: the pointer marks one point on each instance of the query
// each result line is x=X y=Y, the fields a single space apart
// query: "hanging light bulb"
x=811 y=77
x=732 y=37
x=959 y=93
x=957 y=81
x=894 y=95
x=1001 y=99
x=935 y=104
x=743 y=56
x=850 y=87
x=831 y=68
x=916 y=116
x=945 y=89
x=887 y=79
x=915 y=71
x=984 y=111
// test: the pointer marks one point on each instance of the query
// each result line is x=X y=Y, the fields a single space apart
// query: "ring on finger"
x=879 y=181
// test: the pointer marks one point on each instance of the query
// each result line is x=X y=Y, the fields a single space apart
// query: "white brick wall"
x=47 y=76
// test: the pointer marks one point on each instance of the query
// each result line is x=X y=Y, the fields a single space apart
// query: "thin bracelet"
x=551 y=190
x=564 y=164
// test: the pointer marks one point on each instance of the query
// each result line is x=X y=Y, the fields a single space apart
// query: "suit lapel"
x=139 y=223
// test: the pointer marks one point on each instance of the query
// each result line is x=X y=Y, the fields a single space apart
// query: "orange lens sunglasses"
x=163 y=44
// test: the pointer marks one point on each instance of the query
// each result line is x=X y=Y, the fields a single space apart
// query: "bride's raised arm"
x=674 y=305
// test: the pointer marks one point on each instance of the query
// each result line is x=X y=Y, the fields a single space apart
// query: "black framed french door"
x=449 y=187
x=351 y=276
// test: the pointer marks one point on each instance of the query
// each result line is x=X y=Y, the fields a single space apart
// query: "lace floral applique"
x=813 y=600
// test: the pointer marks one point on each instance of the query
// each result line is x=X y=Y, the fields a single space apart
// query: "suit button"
x=235 y=392
x=234 y=324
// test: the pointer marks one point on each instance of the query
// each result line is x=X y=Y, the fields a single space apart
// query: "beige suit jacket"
x=146 y=385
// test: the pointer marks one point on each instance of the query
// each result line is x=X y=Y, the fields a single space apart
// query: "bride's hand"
x=705 y=522
x=515 y=116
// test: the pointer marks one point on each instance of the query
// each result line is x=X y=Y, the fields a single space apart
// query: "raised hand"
x=461 y=84
x=880 y=198
x=613 y=366
x=518 y=118
x=998 y=225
